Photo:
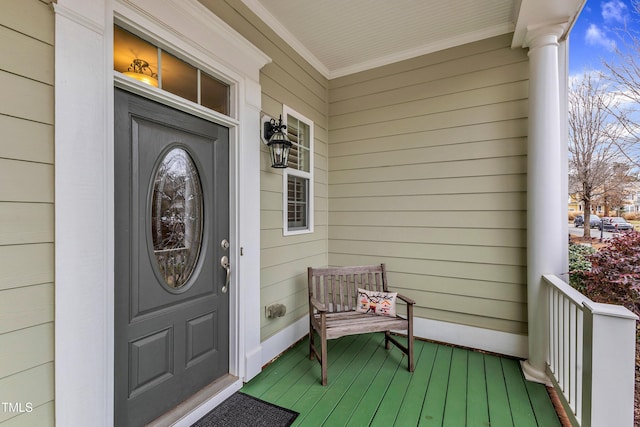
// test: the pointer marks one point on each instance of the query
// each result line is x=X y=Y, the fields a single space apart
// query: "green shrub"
x=579 y=262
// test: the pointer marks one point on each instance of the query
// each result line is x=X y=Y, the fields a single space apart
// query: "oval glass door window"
x=176 y=217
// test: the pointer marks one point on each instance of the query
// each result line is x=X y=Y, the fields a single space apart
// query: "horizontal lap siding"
x=26 y=211
x=288 y=80
x=427 y=172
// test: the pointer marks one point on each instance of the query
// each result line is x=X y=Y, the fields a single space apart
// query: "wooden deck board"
x=455 y=413
x=293 y=376
x=542 y=405
x=274 y=372
x=498 y=400
x=477 y=404
x=337 y=388
x=370 y=386
x=296 y=387
x=435 y=400
x=521 y=410
x=351 y=400
x=412 y=405
x=366 y=410
x=389 y=408
x=337 y=366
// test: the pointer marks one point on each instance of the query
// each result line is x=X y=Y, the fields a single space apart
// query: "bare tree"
x=615 y=191
x=624 y=72
x=593 y=132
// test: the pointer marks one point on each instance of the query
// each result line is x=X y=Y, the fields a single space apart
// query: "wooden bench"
x=332 y=304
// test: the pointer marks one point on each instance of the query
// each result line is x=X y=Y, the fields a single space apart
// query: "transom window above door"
x=145 y=62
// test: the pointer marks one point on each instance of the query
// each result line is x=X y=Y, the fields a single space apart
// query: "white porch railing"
x=591 y=360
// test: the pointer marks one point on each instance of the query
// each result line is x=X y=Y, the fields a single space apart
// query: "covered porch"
x=446 y=163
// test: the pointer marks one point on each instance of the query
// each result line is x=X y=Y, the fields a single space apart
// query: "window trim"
x=286 y=112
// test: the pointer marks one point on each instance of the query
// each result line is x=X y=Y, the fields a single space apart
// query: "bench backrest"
x=336 y=287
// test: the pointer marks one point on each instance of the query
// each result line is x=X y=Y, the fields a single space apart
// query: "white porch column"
x=544 y=186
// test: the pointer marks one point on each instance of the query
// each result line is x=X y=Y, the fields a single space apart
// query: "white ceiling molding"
x=340 y=37
x=424 y=49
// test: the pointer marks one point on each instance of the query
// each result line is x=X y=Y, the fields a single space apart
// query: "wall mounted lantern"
x=140 y=70
x=277 y=141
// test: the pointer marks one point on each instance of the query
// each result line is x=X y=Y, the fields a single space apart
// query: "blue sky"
x=596 y=33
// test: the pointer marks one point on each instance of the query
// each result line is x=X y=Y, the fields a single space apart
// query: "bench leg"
x=410 y=340
x=323 y=362
x=311 y=345
x=410 y=348
x=387 y=342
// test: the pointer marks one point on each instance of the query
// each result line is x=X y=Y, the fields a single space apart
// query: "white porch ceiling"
x=341 y=37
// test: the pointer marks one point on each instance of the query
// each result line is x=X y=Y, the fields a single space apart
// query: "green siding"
x=420 y=164
x=291 y=81
x=427 y=173
x=26 y=212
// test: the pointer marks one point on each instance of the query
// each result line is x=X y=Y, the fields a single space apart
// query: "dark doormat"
x=242 y=410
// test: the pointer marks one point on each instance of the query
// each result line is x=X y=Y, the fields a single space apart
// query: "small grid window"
x=298 y=177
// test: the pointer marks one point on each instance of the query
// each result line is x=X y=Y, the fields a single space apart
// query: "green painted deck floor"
x=371 y=386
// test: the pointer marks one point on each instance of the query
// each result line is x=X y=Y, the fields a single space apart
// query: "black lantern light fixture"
x=277 y=141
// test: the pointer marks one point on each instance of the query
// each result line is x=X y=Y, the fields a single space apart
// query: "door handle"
x=224 y=262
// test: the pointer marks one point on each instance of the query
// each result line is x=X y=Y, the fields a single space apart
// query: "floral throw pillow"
x=380 y=303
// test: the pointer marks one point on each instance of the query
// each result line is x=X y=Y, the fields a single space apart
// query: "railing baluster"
x=552 y=335
x=571 y=390
x=579 y=366
x=556 y=356
x=566 y=344
x=561 y=343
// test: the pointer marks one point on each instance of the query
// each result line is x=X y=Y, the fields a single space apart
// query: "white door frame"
x=84 y=173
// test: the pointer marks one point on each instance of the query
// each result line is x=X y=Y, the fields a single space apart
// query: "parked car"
x=615 y=224
x=594 y=221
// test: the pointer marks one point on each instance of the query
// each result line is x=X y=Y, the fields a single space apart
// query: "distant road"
x=579 y=231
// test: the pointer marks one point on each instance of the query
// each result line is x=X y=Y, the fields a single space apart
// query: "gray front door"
x=171 y=233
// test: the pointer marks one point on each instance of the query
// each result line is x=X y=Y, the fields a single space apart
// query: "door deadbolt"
x=225 y=244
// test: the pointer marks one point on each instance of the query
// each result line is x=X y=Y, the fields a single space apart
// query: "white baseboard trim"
x=473 y=337
x=277 y=344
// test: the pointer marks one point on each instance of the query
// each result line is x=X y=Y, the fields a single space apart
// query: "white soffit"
x=340 y=37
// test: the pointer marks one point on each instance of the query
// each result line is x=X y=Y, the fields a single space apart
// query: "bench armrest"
x=406 y=299
x=317 y=305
